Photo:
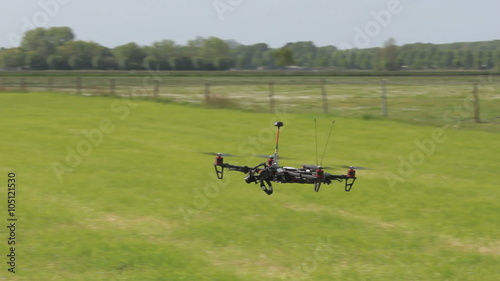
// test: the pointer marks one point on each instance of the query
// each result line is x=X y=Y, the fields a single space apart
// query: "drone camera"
x=249 y=179
x=278 y=124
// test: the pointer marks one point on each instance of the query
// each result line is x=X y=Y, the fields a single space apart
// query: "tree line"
x=55 y=48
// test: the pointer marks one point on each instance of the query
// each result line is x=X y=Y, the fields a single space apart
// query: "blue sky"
x=342 y=23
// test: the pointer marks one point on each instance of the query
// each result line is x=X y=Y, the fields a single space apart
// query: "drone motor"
x=219 y=160
x=351 y=173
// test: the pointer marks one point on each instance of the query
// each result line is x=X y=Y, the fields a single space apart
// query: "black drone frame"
x=267 y=172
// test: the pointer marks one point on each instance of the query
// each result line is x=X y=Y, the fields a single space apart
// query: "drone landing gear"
x=348 y=183
x=219 y=171
x=317 y=185
x=267 y=189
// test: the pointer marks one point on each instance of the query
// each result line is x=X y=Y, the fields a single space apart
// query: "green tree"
x=57 y=36
x=35 y=61
x=489 y=60
x=104 y=62
x=57 y=62
x=468 y=60
x=260 y=55
x=210 y=53
x=14 y=57
x=479 y=59
x=449 y=58
x=150 y=62
x=341 y=59
x=497 y=59
x=129 y=56
x=36 y=40
x=79 y=54
x=243 y=57
x=304 y=53
x=213 y=48
x=182 y=63
x=283 y=57
x=458 y=60
x=389 y=55
x=250 y=56
x=324 y=56
x=224 y=63
x=365 y=60
x=164 y=52
x=45 y=41
x=77 y=62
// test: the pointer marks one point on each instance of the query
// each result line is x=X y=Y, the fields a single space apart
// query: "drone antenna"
x=327 y=141
x=279 y=125
x=316 y=138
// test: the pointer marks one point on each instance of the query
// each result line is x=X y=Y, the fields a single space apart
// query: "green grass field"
x=115 y=189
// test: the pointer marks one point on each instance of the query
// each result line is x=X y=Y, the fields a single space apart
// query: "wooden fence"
x=158 y=89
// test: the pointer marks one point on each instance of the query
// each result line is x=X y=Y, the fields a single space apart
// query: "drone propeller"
x=352 y=167
x=271 y=155
x=220 y=154
x=315 y=167
x=331 y=167
x=264 y=155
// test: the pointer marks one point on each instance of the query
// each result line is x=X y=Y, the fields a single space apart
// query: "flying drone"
x=270 y=171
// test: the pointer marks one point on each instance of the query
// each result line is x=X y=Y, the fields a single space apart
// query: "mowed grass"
x=137 y=201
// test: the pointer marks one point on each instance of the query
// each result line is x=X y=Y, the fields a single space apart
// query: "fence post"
x=156 y=89
x=383 y=96
x=78 y=85
x=324 y=97
x=50 y=84
x=22 y=84
x=271 y=96
x=475 y=92
x=112 y=86
x=207 y=91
